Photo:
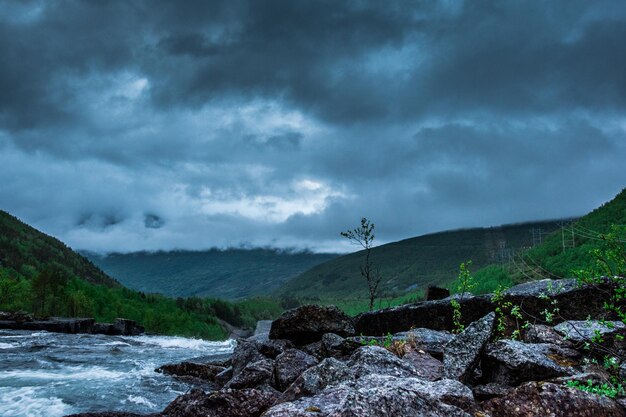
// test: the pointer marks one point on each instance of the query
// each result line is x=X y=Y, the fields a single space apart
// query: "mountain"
x=41 y=275
x=418 y=262
x=26 y=250
x=230 y=274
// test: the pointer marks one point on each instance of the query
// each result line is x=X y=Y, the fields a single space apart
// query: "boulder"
x=370 y=360
x=489 y=391
x=223 y=377
x=206 y=372
x=307 y=324
x=436 y=293
x=329 y=372
x=223 y=403
x=580 y=331
x=432 y=341
x=435 y=315
x=540 y=333
x=246 y=351
x=336 y=346
x=462 y=354
x=378 y=395
x=273 y=348
x=575 y=302
x=53 y=324
x=510 y=362
x=314 y=349
x=547 y=399
x=427 y=367
x=289 y=365
x=254 y=375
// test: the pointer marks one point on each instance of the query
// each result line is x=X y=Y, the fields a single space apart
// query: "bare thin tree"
x=364 y=237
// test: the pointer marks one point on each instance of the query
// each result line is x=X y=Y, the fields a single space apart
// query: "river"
x=52 y=374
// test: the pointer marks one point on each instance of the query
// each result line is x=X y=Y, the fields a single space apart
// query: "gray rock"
x=378 y=395
x=330 y=372
x=510 y=362
x=314 y=349
x=307 y=324
x=289 y=365
x=375 y=360
x=540 y=333
x=336 y=346
x=223 y=377
x=254 y=375
x=273 y=348
x=435 y=315
x=246 y=351
x=432 y=341
x=546 y=399
x=583 y=331
x=489 y=391
x=223 y=403
x=462 y=354
x=575 y=302
x=186 y=370
x=426 y=366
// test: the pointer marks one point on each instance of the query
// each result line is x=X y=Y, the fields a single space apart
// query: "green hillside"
x=41 y=275
x=417 y=262
x=569 y=248
x=26 y=251
x=230 y=274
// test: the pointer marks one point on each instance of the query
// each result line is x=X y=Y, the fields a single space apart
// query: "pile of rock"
x=314 y=364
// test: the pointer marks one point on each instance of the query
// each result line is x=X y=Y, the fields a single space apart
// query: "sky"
x=154 y=125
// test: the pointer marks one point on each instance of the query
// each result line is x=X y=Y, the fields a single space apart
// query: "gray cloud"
x=155 y=125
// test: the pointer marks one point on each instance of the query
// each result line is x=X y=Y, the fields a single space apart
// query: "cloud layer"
x=158 y=125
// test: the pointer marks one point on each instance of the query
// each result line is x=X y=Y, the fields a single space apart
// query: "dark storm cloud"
x=158 y=124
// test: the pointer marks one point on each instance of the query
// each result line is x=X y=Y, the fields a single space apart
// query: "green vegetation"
x=415 y=263
x=571 y=248
x=230 y=274
x=605 y=389
x=41 y=275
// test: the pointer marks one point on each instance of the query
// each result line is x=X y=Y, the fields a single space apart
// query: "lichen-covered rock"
x=223 y=377
x=583 y=331
x=314 y=349
x=489 y=391
x=462 y=354
x=378 y=395
x=546 y=399
x=540 y=333
x=307 y=324
x=253 y=375
x=223 y=403
x=575 y=301
x=329 y=372
x=336 y=346
x=272 y=348
x=375 y=360
x=432 y=341
x=425 y=365
x=436 y=315
x=289 y=365
x=246 y=351
x=510 y=362
x=201 y=371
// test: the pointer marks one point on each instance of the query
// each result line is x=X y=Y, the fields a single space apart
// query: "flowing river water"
x=52 y=374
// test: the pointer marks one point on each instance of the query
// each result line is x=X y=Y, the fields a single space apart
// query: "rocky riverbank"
x=404 y=361
x=22 y=321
